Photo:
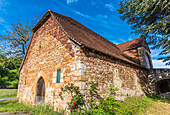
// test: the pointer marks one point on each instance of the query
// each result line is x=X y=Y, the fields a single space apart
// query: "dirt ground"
x=158 y=108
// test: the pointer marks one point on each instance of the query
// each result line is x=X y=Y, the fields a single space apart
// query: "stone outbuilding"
x=62 y=50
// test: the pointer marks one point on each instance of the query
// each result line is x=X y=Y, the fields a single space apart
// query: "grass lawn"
x=145 y=106
x=12 y=106
x=6 y=93
x=131 y=106
x=157 y=108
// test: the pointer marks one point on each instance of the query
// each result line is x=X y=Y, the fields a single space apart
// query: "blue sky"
x=98 y=15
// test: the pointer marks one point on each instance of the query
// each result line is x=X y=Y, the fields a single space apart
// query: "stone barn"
x=62 y=50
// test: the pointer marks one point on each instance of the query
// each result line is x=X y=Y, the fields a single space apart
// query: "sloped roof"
x=132 y=44
x=89 y=38
x=86 y=37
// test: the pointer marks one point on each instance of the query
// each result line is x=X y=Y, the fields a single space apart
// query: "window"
x=25 y=80
x=58 y=76
x=116 y=73
x=147 y=60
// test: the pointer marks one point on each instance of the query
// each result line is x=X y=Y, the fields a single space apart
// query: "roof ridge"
x=89 y=30
x=130 y=41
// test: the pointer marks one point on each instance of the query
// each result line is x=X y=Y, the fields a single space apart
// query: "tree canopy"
x=15 y=42
x=13 y=46
x=151 y=19
x=8 y=72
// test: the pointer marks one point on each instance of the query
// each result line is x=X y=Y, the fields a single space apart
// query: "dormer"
x=138 y=49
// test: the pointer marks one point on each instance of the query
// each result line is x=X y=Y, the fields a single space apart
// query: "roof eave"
x=114 y=56
x=40 y=22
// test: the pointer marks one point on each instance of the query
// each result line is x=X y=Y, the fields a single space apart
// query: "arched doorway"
x=163 y=86
x=40 y=95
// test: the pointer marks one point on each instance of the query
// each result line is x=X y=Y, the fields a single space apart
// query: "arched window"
x=147 y=60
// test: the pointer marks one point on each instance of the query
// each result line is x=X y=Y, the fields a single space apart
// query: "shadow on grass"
x=5 y=103
x=155 y=97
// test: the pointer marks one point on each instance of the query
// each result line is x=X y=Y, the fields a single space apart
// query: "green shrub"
x=74 y=93
x=107 y=105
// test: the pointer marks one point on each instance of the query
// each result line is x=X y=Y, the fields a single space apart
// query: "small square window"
x=58 y=76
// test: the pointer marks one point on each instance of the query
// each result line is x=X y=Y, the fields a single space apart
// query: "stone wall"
x=158 y=76
x=131 y=80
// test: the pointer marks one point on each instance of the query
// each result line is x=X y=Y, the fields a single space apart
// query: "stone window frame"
x=54 y=78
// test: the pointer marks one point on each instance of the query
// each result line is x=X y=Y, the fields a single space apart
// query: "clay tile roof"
x=89 y=38
x=131 y=44
x=138 y=42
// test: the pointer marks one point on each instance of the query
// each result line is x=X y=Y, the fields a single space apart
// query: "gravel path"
x=5 y=113
x=5 y=99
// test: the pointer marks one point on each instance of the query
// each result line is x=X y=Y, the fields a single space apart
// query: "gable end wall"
x=50 y=50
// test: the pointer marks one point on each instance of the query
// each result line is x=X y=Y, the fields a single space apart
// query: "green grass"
x=137 y=106
x=7 y=93
x=134 y=105
x=145 y=105
x=12 y=106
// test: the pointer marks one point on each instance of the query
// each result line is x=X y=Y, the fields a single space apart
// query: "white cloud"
x=115 y=42
x=81 y=14
x=110 y=6
x=159 y=64
x=3 y=3
x=84 y=15
x=2 y=20
x=121 y=39
x=101 y=16
x=130 y=38
x=71 y=1
x=155 y=53
x=93 y=3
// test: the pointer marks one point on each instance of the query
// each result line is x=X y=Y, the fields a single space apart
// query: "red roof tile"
x=138 y=42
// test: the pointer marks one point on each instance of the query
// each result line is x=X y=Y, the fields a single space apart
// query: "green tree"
x=8 y=77
x=15 y=42
x=151 y=19
x=13 y=46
